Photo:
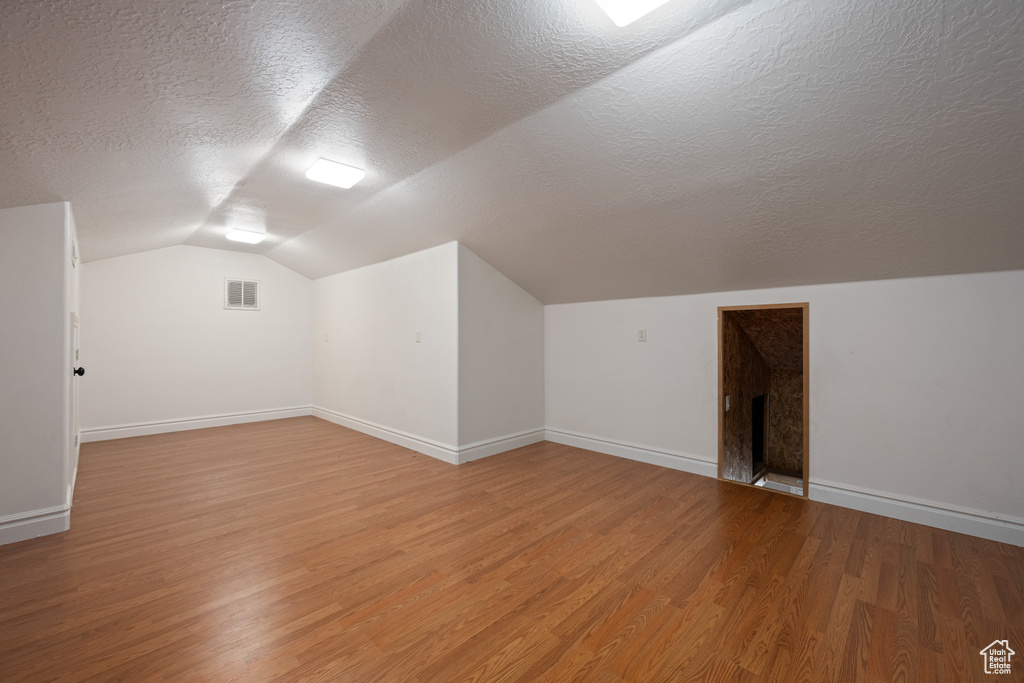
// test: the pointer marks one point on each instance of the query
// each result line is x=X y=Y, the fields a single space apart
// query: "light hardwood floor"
x=299 y=550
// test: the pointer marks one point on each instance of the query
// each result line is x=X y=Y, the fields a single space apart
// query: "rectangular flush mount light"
x=247 y=236
x=624 y=12
x=333 y=173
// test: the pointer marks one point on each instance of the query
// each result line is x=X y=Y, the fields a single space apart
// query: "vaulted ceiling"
x=712 y=145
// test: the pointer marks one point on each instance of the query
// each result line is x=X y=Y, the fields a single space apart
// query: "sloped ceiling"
x=776 y=333
x=713 y=145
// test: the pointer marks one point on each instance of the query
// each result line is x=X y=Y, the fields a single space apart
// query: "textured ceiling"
x=713 y=145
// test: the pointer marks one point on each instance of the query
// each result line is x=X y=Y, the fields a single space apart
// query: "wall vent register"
x=242 y=295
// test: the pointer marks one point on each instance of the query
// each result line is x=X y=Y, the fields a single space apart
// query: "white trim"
x=34 y=523
x=435 y=449
x=453 y=455
x=488 y=447
x=995 y=527
x=675 y=460
x=185 y=424
x=974 y=522
x=971 y=521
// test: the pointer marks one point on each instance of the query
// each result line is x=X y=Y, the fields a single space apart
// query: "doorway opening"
x=763 y=385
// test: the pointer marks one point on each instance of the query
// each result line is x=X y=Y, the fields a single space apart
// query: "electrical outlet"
x=641 y=334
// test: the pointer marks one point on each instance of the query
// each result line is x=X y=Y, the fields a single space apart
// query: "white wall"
x=162 y=353
x=35 y=386
x=916 y=391
x=371 y=373
x=501 y=356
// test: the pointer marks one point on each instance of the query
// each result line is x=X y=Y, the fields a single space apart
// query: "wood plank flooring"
x=297 y=550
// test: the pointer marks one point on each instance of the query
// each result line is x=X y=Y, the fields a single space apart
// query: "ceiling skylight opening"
x=333 y=173
x=625 y=12
x=247 y=236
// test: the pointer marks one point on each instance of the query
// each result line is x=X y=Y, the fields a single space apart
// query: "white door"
x=76 y=368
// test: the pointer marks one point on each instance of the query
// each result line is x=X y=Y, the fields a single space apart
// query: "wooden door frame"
x=806 y=306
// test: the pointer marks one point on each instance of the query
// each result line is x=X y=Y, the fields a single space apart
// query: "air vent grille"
x=243 y=295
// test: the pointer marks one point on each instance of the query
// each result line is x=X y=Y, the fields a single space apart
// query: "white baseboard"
x=453 y=455
x=483 y=449
x=34 y=523
x=435 y=449
x=185 y=424
x=995 y=527
x=1002 y=528
x=672 y=459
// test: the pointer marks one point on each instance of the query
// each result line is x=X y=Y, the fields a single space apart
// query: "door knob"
x=80 y=372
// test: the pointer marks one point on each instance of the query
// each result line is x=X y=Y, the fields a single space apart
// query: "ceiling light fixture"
x=247 y=236
x=625 y=12
x=333 y=173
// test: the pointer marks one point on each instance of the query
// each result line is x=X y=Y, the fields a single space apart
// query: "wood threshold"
x=763 y=488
